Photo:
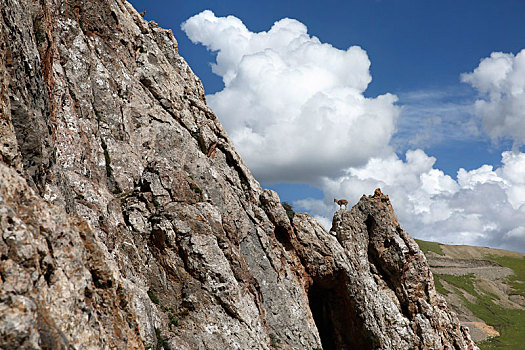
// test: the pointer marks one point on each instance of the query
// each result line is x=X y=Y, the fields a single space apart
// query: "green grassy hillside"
x=486 y=287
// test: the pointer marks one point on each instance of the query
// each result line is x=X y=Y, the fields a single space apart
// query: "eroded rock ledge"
x=369 y=286
x=129 y=220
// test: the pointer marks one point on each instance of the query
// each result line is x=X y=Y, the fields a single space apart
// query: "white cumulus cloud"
x=483 y=207
x=296 y=111
x=293 y=106
x=500 y=81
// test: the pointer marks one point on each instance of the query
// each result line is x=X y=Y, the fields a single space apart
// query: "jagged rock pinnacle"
x=129 y=220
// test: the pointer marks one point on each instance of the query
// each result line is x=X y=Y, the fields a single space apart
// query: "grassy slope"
x=482 y=303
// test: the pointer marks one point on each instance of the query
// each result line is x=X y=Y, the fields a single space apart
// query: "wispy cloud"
x=431 y=117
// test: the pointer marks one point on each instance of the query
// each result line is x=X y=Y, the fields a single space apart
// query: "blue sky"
x=413 y=45
x=419 y=52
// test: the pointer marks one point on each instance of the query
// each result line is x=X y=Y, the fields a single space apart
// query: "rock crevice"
x=130 y=221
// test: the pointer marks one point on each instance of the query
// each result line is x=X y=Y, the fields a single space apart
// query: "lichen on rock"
x=129 y=219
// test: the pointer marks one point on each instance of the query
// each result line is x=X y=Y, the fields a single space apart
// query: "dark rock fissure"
x=335 y=316
x=321 y=311
x=283 y=236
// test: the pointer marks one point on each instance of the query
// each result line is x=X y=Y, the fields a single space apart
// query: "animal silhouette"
x=341 y=202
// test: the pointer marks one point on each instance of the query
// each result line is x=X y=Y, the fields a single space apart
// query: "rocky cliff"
x=129 y=221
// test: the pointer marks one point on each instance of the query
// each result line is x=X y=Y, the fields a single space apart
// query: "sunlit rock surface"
x=129 y=220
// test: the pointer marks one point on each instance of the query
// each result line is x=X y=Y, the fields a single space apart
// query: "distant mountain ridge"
x=485 y=287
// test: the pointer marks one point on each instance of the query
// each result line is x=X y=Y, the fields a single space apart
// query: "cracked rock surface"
x=129 y=220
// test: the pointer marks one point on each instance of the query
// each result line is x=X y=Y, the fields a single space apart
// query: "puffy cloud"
x=483 y=207
x=293 y=106
x=500 y=81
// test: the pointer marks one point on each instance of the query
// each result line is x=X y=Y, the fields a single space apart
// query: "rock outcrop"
x=129 y=220
x=369 y=286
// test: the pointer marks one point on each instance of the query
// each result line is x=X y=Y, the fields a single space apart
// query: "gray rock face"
x=369 y=286
x=129 y=220
x=390 y=282
x=59 y=289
